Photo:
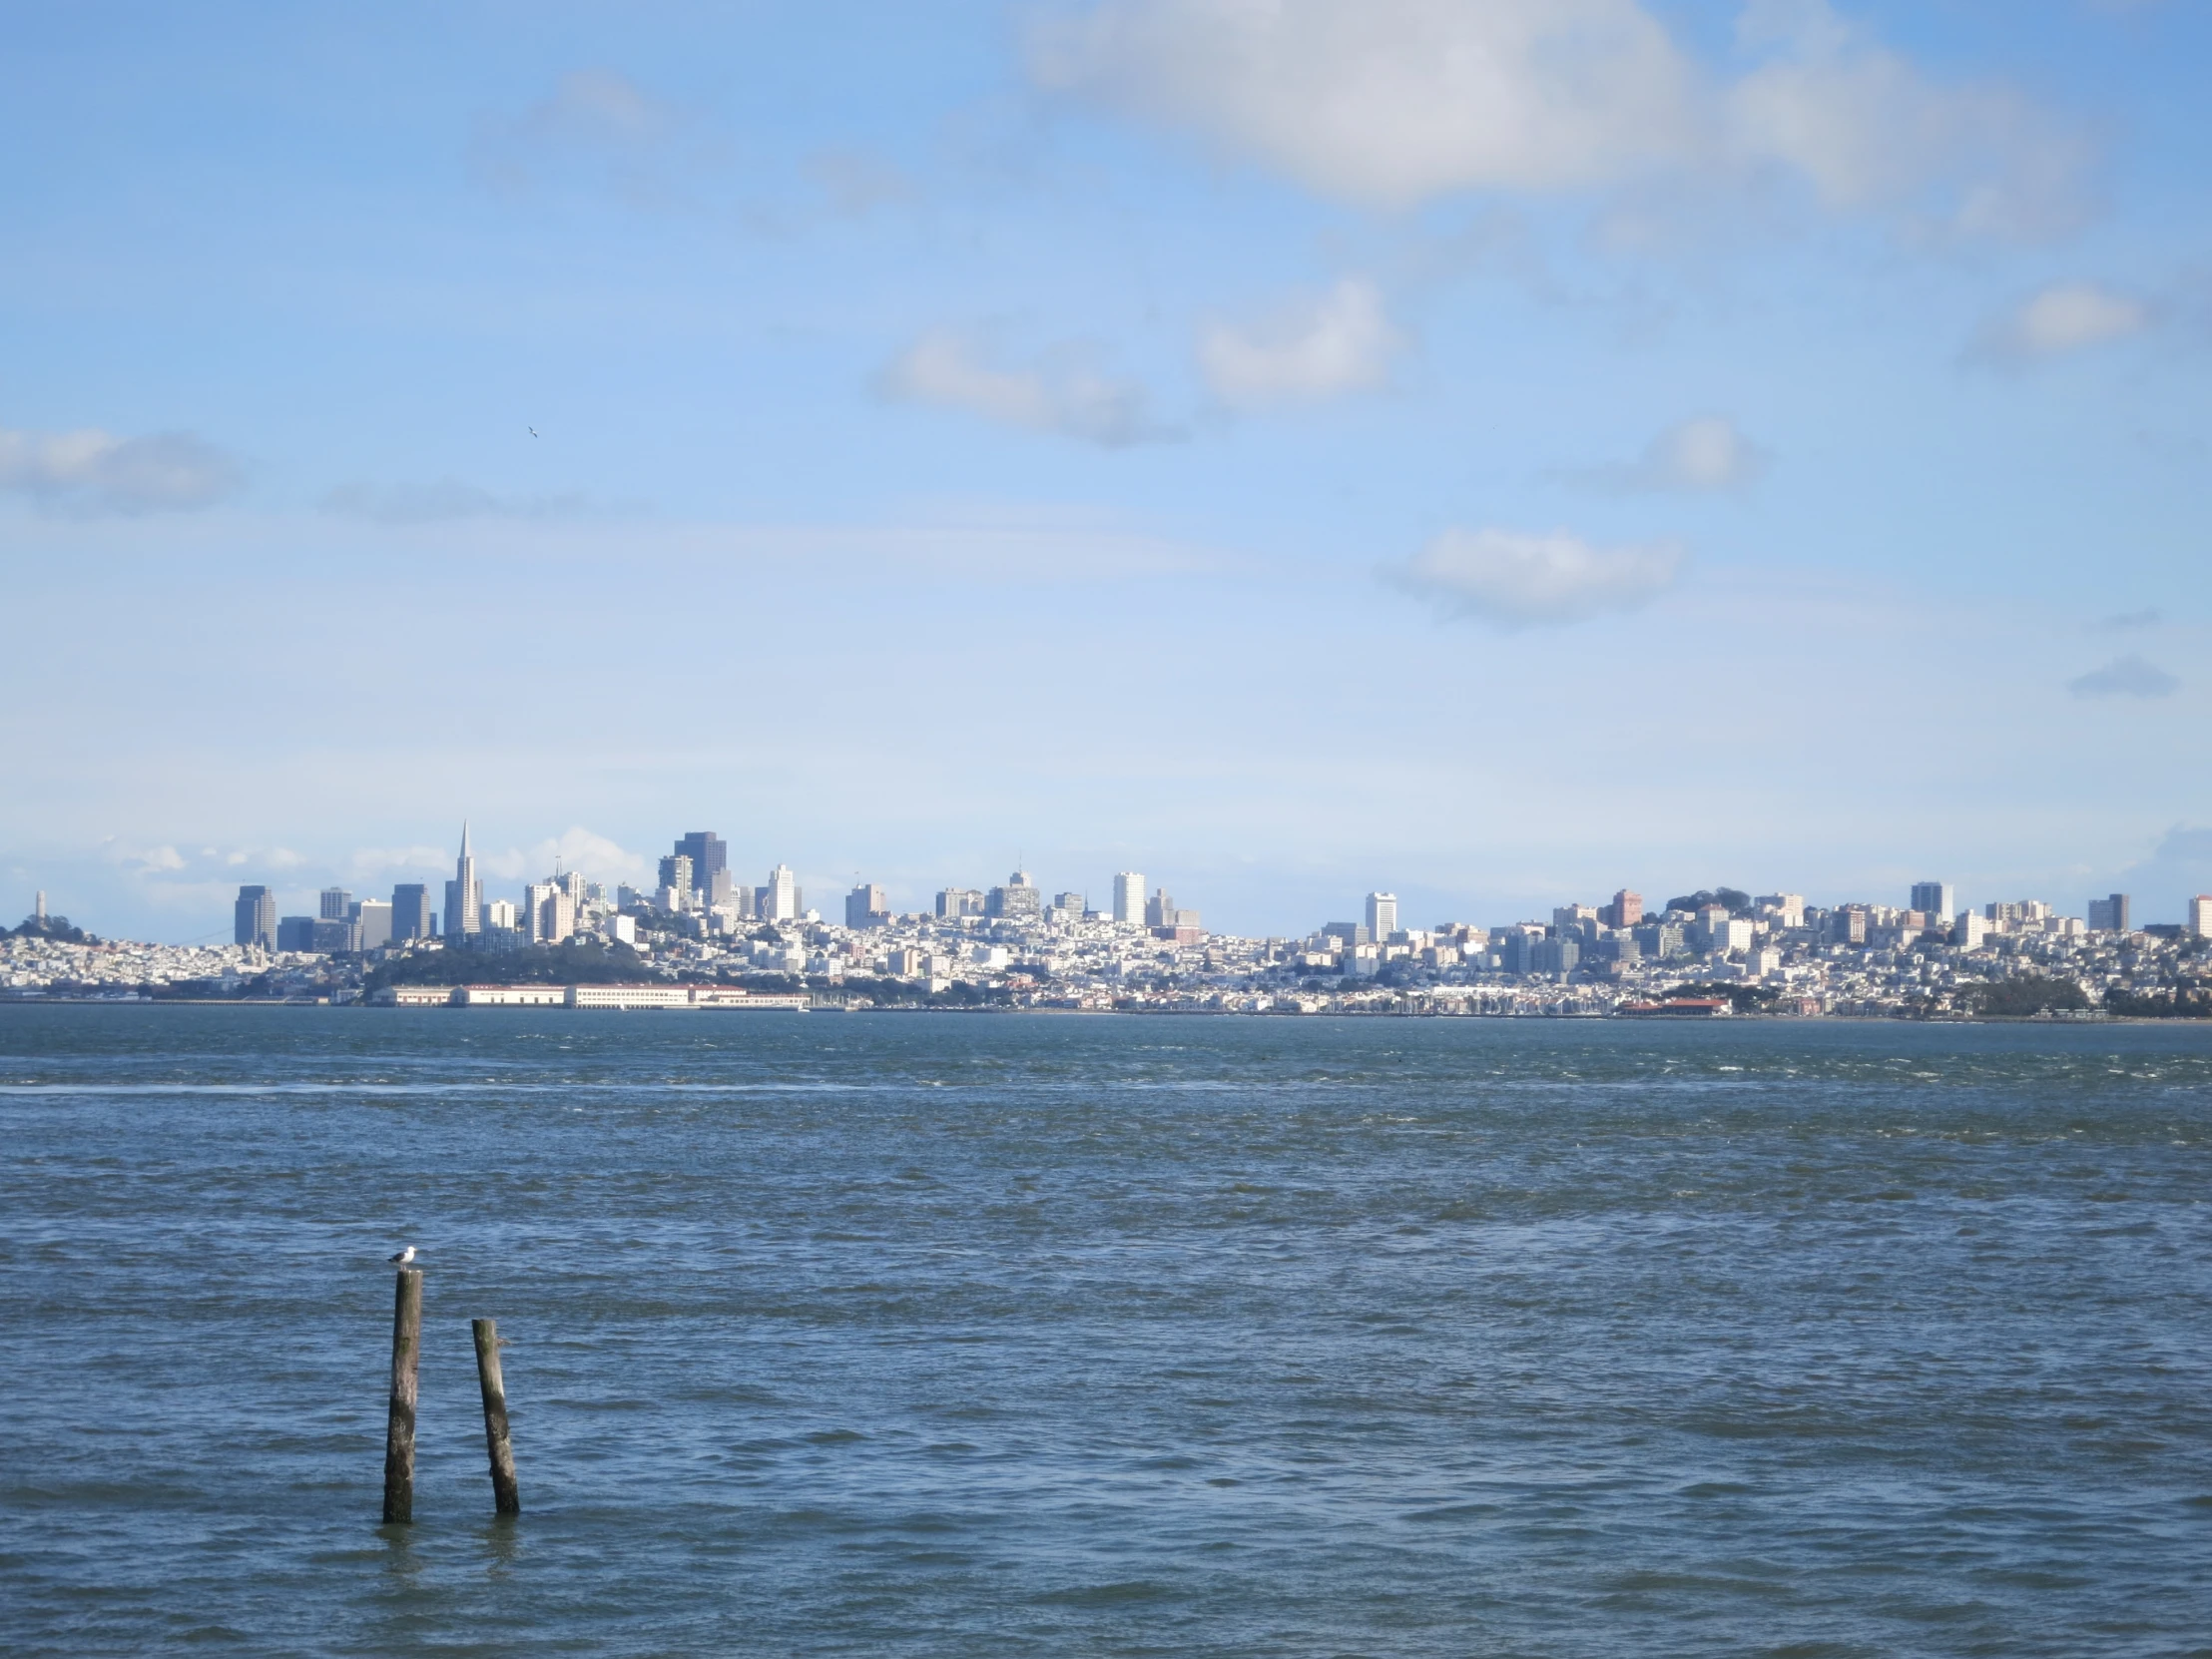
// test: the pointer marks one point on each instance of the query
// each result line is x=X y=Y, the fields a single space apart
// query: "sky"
x=1493 y=450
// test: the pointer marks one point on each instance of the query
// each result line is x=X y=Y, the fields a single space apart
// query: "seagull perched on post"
x=403 y=1258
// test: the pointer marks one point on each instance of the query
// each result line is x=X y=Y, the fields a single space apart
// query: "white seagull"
x=403 y=1258
x=533 y=431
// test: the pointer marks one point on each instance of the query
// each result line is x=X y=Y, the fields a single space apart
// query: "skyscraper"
x=2200 y=916
x=256 y=919
x=337 y=905
x=1626 y=911
x=710 y=858
x=1381 y=915
x=2109 y=915
x=464 y=894
x=1129 y=897
x=1936 y=899
x=410 y=910
x=866 y=905
x=778 y=900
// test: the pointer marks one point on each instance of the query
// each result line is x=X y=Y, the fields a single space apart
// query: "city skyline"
x=927 y=441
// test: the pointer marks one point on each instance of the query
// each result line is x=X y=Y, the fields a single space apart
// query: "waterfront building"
x=1129 y=897
x=464 y=894
x=1382 y=915
x=254 y=922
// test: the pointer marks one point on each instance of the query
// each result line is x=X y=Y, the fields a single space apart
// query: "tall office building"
x=1019 y=897
x=1626 y=911
x=866 y=905
x=2109 y=915
x=778 y=900
x=709 y=857
x=254 y=922
x=1381 y=915
x=1936 y=899
x=956 y=902
x=676 y=891
x=464 y=894
x=337 y=905
x=411 y=916
x=2199 y=916
x=1129 y=897
x=371 y=924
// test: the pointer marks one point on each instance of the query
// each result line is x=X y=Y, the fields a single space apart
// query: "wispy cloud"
x=947 y=368
x=1702 y=455
x=2128 y=676
x=599 y=129
x=2058 y=321
x=1518 y=580
x=445 y=499
x=94 y=471
x=1340 y=342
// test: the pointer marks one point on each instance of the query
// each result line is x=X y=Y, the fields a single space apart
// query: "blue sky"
x=1490 y=449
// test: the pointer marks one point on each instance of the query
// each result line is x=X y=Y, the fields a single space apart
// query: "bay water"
x=995 y=1335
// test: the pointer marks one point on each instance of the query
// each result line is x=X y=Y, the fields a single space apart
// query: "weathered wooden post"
x=400 y=1427
x=505 y=1496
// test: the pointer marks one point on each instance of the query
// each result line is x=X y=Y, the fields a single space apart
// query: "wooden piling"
x=507 y=1496
x=400 y=1427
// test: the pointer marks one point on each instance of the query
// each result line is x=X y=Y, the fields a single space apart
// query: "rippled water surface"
x=999 y=1335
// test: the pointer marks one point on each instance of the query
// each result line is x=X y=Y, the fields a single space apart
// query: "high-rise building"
x=1129 y=897
x=1159 y=910
x=295 y=933
x=256 y=919
x=2197 y=917
x=1626 y=911
x=337 y=905
x=1017 y=900
x=411 y=916
x=778 y=900
x=2109 y=915
x=954 y=902
x=371 y=924
x=709 y=857
x=1936 y=899
x=866 y=905
x=1382 y=915
x=676 y=871
x=464 y=894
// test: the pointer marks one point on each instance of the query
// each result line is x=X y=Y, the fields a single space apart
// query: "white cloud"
x=1342 y=342
x=94 y=471
x=2128 y=676
x=1390 y=103
x=2065 y=318
x=1703 y=454
x=446 y=499
x=1867 y=130
x=598 y=129
x=944 y=367
x=575 y=849
x=1520 y=580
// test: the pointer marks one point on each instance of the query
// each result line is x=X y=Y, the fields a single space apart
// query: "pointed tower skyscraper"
x=464 y=894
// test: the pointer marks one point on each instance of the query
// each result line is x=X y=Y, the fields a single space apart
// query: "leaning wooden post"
x=399 y=1428
x=505 y=1496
